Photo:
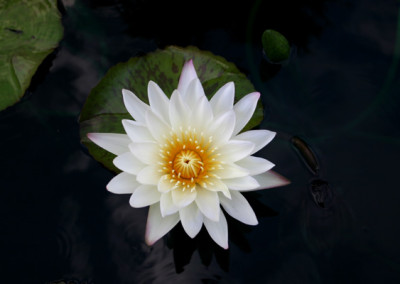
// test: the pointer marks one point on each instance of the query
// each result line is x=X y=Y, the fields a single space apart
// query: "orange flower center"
x=188 y=158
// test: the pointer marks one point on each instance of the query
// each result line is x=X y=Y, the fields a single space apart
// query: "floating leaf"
x=29 y=31
x=104 y=108
x=276 y=46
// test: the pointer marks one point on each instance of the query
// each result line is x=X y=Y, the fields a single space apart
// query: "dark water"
x=339 y=94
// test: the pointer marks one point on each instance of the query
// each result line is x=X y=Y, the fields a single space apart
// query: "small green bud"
x=276 y=46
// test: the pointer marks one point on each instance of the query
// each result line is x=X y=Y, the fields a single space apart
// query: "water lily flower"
x=185 y=158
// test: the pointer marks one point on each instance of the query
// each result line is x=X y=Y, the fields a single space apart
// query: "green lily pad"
x=104 y=108
x=29 y=31
x=276 y=46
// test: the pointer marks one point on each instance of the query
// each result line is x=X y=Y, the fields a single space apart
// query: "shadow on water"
x=184 y=247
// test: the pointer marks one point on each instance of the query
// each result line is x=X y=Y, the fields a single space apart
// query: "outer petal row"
x=223 y=99
x=260 y=138
x=123 y=183
x=157 y=226
x=239 y=208
x=112 y=142
x=218 y=230
x=135 y=106
x=244 y=110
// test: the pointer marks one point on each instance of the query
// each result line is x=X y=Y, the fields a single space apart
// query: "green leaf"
x=104 y=108
x=276 y=46
x=29 y=31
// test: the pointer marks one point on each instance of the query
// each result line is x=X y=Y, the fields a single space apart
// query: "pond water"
x=339 y=94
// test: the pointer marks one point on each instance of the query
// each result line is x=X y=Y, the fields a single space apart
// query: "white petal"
x=242 y=183
x=183 y=198
x=156 y=126
x=191 y=219
x=244 y=110
x=222 y=128
x=202 y=114
x=255 y=165
x=164 y=184
x=178 y=111
x=127 y=162
x=271 y=179
x=159 y=102
x=216 y=185
x=167 y=205
x=137 y=131
x=136 y=107
x=235 y=150
x=218 y=230
x=112 y=142
x=123 y=183
x=222 y=101
x=187 y=75
x=231 y=170
x=239 y=208
x=194 y=93
x=260 y=138
x=144 y=195
x=149 y=175
x=146 y=152
x=157 y=226
x=208 y=203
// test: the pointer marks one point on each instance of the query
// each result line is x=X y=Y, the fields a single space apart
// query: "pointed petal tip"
x=284 y=180
x=126 y=92
x=148 y=241
x=90 y=136
x=256 y=94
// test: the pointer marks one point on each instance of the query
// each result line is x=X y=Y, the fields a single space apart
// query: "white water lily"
x=185 y=158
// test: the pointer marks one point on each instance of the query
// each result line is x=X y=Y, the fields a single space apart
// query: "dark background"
x=339 y=92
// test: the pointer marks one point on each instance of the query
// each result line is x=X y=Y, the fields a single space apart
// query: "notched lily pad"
x=29 y=31
x=104 y=108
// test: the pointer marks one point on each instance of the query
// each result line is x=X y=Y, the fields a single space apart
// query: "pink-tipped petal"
x=239 y=208
x=270 y=179
x=187 y=75
x=157 y=226
x=135 y=106
x=112 y=142
x=218 y=230
x=244 y=110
